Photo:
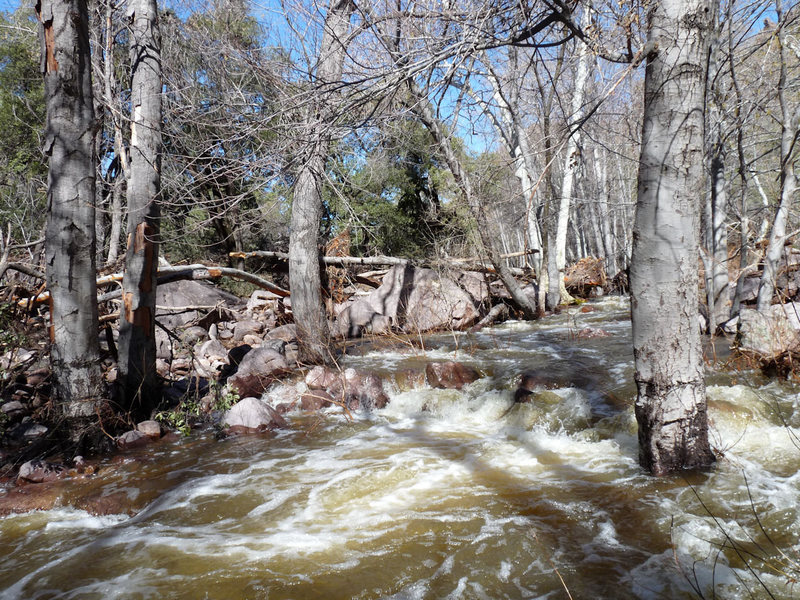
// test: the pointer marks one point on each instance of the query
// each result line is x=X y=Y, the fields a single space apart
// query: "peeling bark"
x=137 y=350
x=70 y=238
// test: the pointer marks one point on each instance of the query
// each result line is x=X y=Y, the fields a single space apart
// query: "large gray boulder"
x=418 y=300
x=770 y=333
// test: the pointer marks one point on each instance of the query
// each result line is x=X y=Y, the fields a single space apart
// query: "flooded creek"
x=445 y=493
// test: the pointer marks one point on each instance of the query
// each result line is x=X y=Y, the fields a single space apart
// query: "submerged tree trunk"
x=70 y=239
x=671 y=402
x=313 y=334
x=137 y=350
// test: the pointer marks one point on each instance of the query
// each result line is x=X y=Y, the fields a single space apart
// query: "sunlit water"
x=445 y=494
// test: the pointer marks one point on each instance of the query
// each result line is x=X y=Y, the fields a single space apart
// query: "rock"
x=450 y=375
x=359 y=390
x=246 y=327
x=287 y=333
x=475 y=284
x=261 y=300
x=251 y=415
x=39 y=471
x=409 y=379
x=422 y=300
x=34 y=431
x=189 y=293
x=12 y=408
x=38 y=377
x=101 y=504
x=133 y=439
x=588 y=333
x=194 y=334
x=210 y=358
x=251 y=340
x=320 y=378
x=770 y=333
x=258 y=370
x=151 y=429
x=315 y=400
x=355 y=319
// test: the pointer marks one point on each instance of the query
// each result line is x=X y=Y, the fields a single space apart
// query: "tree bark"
x=70 y=238
x=790 y=126
x=313 y=334
x=137 y=350
x=671 y=401
x=572 y=160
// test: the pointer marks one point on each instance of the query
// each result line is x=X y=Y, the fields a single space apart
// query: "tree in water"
x=70 y=237
x=137 y=349
x=313 y=335
x=671 y=402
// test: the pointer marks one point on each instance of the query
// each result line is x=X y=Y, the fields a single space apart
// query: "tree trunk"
x=109 y=85
x=790 y=125
x=313 y=334
x=70 y=239
x=572 y=161
x=424 y=111
x=671 y=402
x=137 y=350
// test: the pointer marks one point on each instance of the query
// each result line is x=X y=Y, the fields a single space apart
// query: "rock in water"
x=251 y=415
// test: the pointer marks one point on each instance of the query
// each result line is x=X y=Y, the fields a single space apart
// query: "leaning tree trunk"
x=671 y=402
x=70 y=238
x=137 y=349
x=424 y=111
x=313 y=334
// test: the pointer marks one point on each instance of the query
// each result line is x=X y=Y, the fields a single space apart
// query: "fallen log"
x=471 y=263
x=169 y=274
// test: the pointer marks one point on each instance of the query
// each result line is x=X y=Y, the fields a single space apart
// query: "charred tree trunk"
x=70 y=239
x=137 y=351
x=313 y=335
x=671 y=402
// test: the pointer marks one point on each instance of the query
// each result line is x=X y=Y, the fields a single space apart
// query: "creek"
x=445 y=493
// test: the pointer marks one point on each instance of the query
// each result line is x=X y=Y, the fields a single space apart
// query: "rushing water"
x=445 y=494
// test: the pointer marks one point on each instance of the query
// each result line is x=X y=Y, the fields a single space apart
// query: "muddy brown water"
x=444 y=494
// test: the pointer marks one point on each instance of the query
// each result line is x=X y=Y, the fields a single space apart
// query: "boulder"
x=251 y=415
x=315 y=400
x=450 y=375
x=770 y=333
x=210 y=358
x=189 y=293
x=133 y=439
x=39 y=471
x=422 y=300
x=258 y=369
x=151 y=429
x=359 y=389
x=320 y=378
x=355 y=319
x=287 y=333
x=246 y=327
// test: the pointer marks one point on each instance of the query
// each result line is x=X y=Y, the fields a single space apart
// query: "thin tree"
x=790 y=128
x=70 y=237
x=671 y=403
x=137 y=317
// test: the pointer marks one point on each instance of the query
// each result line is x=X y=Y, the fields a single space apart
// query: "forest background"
x=435 y=133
